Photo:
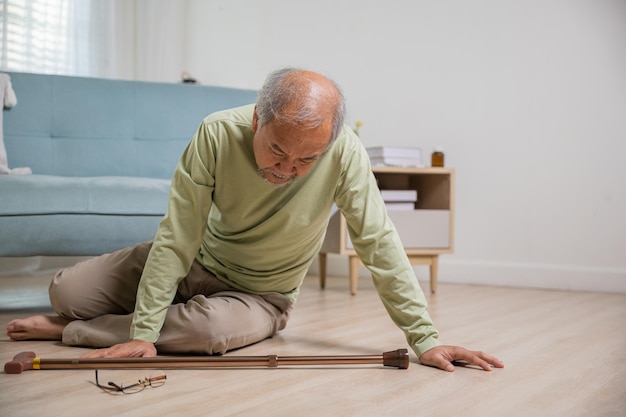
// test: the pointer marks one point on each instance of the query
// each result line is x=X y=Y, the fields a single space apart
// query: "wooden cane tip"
x=21 y=362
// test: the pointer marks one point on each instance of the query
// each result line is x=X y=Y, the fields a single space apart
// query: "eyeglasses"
x=140 y=385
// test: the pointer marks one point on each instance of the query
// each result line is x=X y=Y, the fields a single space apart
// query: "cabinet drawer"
x=420 y=228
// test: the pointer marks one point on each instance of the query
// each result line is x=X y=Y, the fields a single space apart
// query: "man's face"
x=284 y=152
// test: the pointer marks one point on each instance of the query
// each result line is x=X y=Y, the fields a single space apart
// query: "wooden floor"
x=565 y=355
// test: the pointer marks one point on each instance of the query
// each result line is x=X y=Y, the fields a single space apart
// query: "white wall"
x=528 y=98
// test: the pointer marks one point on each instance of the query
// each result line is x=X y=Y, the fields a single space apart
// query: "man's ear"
x=255 y=121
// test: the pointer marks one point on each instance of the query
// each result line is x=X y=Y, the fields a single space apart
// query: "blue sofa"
x=102 y=153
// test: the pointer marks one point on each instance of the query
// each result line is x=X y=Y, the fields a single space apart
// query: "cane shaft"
x=27 y=360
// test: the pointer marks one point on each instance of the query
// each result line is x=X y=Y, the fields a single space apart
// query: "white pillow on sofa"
x=8 y=100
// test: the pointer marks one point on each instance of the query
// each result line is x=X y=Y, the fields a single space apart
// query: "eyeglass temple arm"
x=144 y=382
x=119 y=388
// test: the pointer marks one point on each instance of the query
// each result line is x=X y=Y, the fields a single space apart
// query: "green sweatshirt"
x=262 y=239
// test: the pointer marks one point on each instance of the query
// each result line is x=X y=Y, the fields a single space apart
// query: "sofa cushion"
x=43 y=194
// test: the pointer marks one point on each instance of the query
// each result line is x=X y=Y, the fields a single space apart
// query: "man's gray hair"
x=283 y=99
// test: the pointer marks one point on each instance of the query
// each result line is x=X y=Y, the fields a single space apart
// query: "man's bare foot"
x=37 y=328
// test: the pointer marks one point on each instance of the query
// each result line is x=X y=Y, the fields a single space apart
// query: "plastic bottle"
x=436 y=159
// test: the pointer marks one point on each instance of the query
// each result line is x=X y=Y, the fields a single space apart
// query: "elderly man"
x=249 y=205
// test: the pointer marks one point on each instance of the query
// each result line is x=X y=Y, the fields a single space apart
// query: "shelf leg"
x=322 y=266
x=434 y=269
x=355 y=262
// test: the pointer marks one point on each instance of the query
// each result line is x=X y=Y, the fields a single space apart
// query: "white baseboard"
x=33 y=265
x=12 y=266
x=544 y=276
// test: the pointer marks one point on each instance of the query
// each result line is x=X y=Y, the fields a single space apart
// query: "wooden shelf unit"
x=426 y=232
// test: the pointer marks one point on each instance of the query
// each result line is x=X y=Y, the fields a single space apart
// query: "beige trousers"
x=206 y=317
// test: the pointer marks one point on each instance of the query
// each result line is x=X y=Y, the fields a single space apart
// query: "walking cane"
x=26 y=361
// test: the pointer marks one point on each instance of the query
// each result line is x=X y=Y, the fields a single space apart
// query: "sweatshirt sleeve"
x=378 y=245
x=178 y=237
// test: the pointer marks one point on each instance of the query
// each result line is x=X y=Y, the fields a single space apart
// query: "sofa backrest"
x=76 y=126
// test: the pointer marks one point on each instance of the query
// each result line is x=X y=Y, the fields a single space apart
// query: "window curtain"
x=161 y=39
x=69 y=37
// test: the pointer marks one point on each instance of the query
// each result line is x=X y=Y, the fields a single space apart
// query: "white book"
x=393 y=206
x=400 y=196
x=395 y=152
x=397 y=162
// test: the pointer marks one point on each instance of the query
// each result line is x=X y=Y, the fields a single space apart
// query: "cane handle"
x=22 y=362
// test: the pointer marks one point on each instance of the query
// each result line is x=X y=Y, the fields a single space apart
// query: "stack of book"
x=396 y=200
x=395 y=156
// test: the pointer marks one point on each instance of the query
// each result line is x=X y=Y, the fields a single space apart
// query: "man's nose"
x=287 y=166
